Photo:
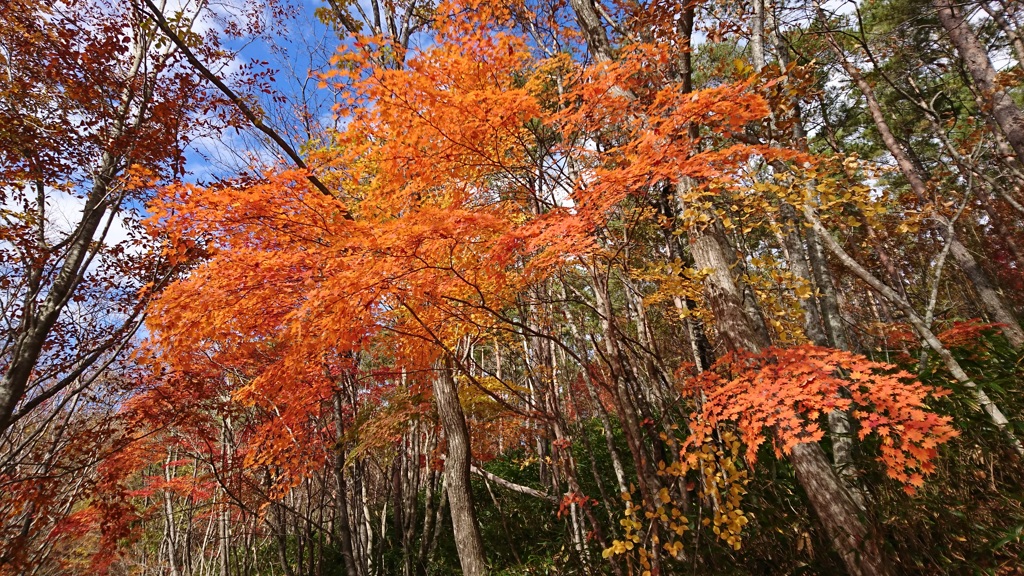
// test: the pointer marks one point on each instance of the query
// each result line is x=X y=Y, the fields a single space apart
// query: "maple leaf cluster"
x=782 y=395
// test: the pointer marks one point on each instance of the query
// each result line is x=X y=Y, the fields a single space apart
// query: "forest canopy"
x=430 y=287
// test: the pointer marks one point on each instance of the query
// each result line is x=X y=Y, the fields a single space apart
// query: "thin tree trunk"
x=341 y=500
x=456 y=473
x=1012 y=34
x=975 y=58
x=429 y=513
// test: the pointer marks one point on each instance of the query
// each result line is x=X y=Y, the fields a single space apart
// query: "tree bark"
x=456 y=473
x=341 y=500
x=734 y=327
x=838 y=512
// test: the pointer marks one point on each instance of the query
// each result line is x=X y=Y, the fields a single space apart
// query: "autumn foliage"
x=568 y=287
x=782 y=396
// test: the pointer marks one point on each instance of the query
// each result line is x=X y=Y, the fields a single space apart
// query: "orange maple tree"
x=438 y=222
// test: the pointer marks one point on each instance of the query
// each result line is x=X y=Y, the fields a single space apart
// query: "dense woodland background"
x=512 y=287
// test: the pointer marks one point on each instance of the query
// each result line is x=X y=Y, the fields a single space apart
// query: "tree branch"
x=236 y=100
x=511 y=485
